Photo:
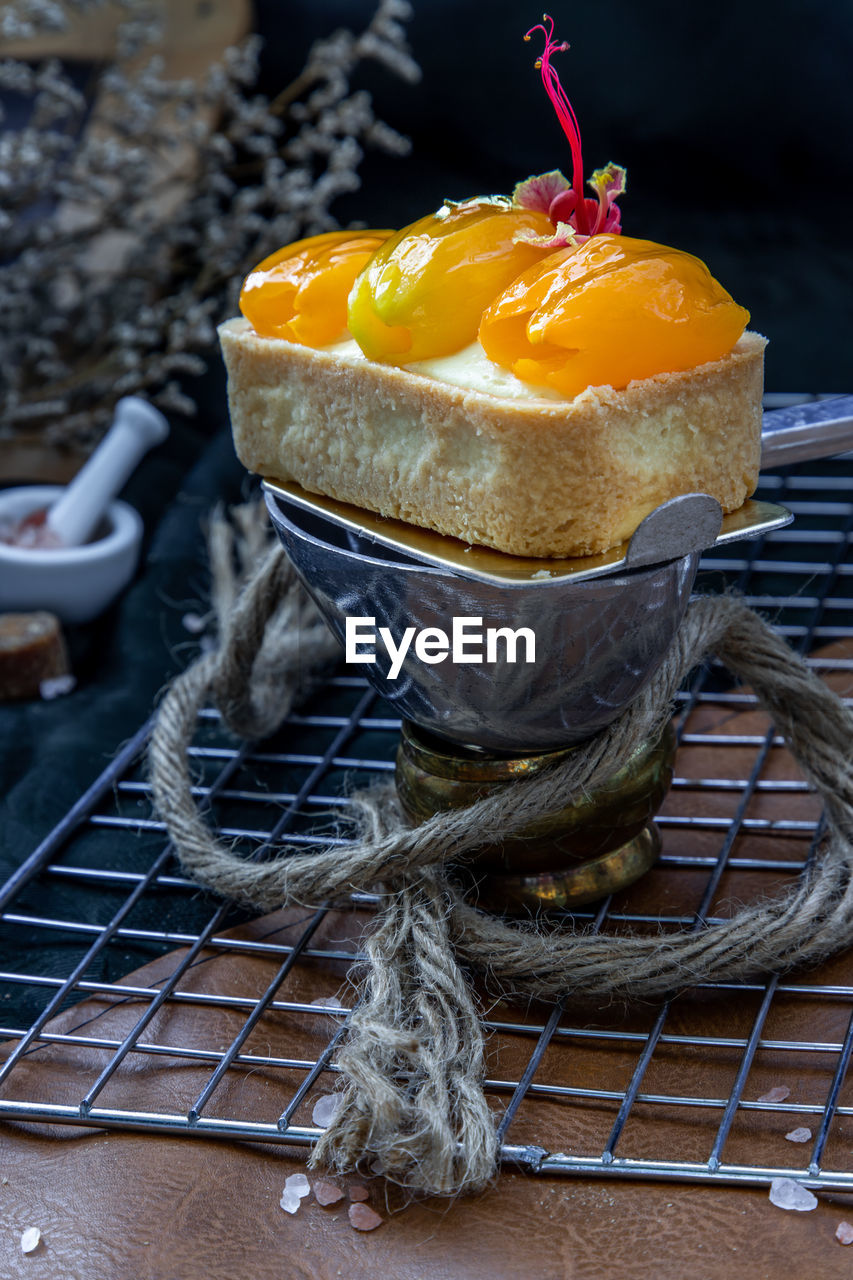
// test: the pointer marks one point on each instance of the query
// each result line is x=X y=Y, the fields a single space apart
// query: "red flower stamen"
x=565 y=114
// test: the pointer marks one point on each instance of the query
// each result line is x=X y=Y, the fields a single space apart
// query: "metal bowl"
x=597 y=641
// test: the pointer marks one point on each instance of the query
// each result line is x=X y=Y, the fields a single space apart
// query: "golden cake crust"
x=532 y=477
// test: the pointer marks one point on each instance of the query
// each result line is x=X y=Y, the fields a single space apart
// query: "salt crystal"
x=56 y=687
x=290 y=1201
x=297 y=1185
x=30 y=534
x=799 y=1135
x=193 y=623
x=363 y=1218
x=325 y=1109
x=357 y=1192
x=30 y=1239
x=327 y=1193
x=778 y=1093
x=844 y=1233
x=785 y=1193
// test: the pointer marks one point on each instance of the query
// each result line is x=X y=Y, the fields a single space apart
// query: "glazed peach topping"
x=300 y=292
x=423 y=293
x=543 y=279
x=610 y=311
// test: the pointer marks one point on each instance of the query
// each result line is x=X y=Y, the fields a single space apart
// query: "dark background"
x=734 y=121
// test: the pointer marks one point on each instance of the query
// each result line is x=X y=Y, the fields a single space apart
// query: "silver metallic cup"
x=598 y=641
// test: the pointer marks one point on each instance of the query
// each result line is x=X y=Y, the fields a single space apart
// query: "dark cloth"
x=50 y=751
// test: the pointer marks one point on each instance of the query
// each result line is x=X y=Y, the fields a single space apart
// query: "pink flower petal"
x=357 y=1192
x=562 y=106
x=844 y=1233
x=609 y=183
x=540 y=191
x=568 y=204
x=564 y=236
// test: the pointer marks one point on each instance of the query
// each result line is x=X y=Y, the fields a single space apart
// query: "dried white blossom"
x=124 y=246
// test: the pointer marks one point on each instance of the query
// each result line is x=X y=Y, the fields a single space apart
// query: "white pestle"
x=136 y=427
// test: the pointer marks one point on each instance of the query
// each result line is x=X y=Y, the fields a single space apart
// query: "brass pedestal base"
x=574 y=886
x=587 y=850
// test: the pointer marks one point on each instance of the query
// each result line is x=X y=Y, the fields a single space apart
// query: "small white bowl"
x=75 y=583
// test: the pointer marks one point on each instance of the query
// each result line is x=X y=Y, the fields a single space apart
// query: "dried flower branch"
x=125 y=238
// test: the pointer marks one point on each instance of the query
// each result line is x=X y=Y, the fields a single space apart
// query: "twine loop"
x=413 y=1063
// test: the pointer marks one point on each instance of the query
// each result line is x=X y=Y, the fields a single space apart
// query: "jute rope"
x=413 y=1063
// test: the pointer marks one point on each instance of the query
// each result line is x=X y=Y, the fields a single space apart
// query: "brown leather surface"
x=120 y=1206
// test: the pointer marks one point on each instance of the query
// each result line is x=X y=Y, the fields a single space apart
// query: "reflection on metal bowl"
x=598 y=640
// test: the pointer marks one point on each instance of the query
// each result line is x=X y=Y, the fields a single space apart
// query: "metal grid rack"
x=677 y=1091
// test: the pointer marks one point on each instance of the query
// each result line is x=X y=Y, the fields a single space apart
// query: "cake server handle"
x=817 y=429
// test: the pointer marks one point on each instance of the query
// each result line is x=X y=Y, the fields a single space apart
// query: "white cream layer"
x=470 y=368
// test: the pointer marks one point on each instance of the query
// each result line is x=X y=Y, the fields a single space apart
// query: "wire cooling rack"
x=139 y=969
